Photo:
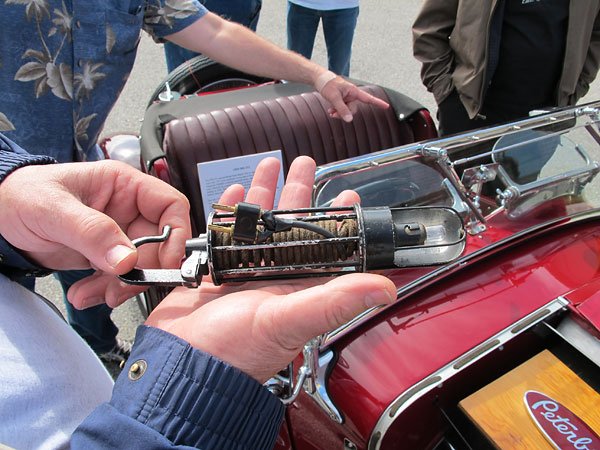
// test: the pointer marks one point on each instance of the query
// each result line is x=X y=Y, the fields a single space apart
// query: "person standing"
x=493 y=61
x=339 y=19
x=244 y=12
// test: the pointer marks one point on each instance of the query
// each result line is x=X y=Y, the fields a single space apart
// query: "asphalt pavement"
x=382 y=54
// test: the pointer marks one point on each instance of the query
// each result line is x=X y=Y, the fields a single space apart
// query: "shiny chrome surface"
x=455 y=172
x=315 y=386
x=465 y=198
x=411 y=395
x=311 y=378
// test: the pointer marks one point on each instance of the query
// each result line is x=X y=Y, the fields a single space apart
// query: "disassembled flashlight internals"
x=246 y=243
x=246 y=227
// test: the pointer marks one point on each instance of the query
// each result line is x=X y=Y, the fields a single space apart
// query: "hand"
x=345 y=97
x=79 y=215
x=222 y=41
x=259 y=327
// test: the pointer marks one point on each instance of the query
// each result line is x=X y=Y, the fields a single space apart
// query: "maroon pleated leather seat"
x=298 y=124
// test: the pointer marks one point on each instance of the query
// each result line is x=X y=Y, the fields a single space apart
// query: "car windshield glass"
x=532 y=155
x=527 y=172
x=407 y=182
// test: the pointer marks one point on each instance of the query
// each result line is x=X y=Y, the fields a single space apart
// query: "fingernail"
x=92 y=301
x=348 y=117
x=376 y=298
x=117 y=254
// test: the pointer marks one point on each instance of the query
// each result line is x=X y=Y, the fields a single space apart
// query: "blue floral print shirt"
x=63 y=64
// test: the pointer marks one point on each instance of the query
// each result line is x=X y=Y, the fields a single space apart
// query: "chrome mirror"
x=536 y=167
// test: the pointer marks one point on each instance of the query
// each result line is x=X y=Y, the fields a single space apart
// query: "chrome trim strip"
x=330 y=338
x=415 y=392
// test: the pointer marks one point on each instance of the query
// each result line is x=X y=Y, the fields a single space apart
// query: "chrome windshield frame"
x=318 y=354
x=437 y=151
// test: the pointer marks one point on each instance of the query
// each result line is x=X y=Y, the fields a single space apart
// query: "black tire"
x=202 y=74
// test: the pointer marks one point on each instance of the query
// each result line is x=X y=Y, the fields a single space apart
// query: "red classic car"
x=448 y=365
x=490 y=346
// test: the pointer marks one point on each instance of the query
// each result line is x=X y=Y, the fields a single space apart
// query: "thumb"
x=97 y=237
x=314 y=311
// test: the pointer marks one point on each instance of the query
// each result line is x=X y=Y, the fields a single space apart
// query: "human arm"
x=169 y=406
x=13 y=157
x=66 y=228
x=242 y=49
x=160 y=348
x=188 y=398
x=256 y=327
x=431 y=45
x=184 y=398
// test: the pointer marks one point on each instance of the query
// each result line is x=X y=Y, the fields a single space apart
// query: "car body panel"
x=546 y=252
x=427 y=330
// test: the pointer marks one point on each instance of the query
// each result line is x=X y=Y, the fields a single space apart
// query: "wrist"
x=323 y=79
x=10 y=161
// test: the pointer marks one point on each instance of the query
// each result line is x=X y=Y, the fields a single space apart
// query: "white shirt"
x=50 y=379
x=326 y=5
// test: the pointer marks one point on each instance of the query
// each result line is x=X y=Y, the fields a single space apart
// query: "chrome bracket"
x=311 y=377
x=473 y=178
x=592 y=112
x=475 y=221
x=315 y=386
x=519 y=199
x=437 y=153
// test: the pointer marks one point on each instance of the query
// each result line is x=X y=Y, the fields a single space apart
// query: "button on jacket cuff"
x=193 y=398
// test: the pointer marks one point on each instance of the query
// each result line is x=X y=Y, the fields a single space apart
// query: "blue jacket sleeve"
x=171 y=395
x=12 y=157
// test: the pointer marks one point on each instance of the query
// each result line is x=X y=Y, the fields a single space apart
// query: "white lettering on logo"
x=563 y=425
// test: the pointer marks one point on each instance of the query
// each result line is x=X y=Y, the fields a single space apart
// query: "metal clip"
x=190 y=274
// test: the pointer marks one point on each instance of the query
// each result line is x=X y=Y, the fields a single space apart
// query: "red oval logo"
x=563 y=429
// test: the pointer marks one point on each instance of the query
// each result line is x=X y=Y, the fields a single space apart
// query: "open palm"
x=259 y=327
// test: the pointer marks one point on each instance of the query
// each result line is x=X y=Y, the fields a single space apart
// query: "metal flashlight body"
x=246 y=243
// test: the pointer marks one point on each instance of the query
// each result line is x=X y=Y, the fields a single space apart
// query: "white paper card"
x=216 y=176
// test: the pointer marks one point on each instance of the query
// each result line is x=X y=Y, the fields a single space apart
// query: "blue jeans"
x=92 y=324
x=338 y=29
x=245 y=12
